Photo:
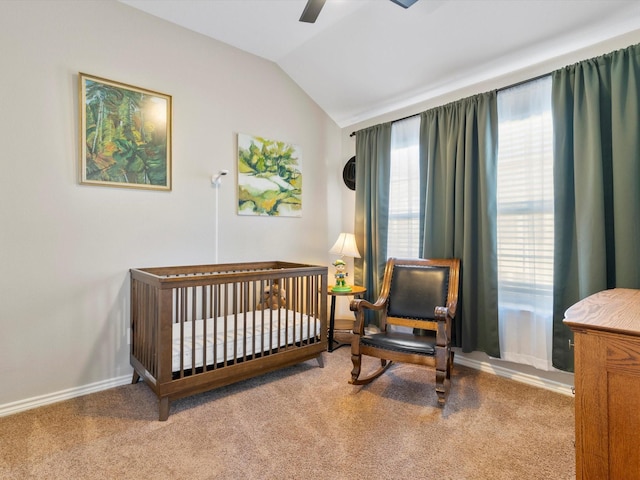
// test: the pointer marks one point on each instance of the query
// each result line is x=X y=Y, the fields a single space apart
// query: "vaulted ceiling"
x=363 y=58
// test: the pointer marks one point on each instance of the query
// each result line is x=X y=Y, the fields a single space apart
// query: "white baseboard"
x=29 y=403
x=49 y=398
x=532 y=380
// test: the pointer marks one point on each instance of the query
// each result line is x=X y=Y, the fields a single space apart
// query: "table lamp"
x=345 y=246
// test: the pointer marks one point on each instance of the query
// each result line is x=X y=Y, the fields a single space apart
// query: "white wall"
x=543 y=67
x=65 y=248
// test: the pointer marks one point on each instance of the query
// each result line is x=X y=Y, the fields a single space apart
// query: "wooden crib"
x=195 y=328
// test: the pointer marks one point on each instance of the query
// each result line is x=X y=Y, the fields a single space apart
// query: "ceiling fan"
x=313 y=7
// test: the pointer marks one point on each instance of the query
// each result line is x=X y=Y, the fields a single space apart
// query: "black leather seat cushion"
x=402 y=342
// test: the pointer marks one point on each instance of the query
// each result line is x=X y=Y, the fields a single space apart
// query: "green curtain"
x=373 y=161
x=458 y=155
x=596 y=112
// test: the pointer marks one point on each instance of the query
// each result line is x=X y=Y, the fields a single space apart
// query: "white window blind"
x=525 y=223
x=404 y=190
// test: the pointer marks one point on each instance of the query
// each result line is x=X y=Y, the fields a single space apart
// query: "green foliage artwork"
x=269 y=177
x=126 y=135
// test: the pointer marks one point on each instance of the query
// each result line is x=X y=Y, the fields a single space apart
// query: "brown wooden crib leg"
x=320 y=359
x=163 y=409
x=135 y=378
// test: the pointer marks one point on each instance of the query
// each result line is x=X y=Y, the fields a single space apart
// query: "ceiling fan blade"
x=404 y=3
x=312 y=10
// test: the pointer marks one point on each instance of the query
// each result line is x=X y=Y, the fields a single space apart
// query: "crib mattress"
x=247 y=333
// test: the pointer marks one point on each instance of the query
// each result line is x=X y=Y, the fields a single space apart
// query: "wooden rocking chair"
x=417 y=303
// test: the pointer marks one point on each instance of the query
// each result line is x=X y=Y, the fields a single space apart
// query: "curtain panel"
x=458 y=156
x=596 y=111
x=373 y=160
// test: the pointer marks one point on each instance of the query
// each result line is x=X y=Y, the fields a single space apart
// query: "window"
x=525 y=223
x=404 y=190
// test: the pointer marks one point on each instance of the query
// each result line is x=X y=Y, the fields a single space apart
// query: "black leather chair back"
x=417 y=290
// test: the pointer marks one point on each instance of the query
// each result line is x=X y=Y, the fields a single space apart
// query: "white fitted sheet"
x=273 y=328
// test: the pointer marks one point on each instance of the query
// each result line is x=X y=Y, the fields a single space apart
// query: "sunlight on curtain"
x=525 y=223
x=404 y=195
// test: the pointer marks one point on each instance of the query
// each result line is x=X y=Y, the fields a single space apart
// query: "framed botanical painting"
x=269 y=177
x=125 y=135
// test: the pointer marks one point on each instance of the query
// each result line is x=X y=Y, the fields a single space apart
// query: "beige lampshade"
x=345 y=246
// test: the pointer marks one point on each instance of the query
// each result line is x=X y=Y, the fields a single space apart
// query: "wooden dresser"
x=606 y=329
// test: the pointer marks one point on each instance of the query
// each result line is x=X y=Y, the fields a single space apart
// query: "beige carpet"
x=303 y=422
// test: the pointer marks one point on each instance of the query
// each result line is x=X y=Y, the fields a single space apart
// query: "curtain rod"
x=513 y=85
x=392 y=121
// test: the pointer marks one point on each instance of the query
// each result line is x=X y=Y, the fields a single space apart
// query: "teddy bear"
x=273 y=297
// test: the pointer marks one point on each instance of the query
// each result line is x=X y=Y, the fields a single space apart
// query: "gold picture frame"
x=125 y=135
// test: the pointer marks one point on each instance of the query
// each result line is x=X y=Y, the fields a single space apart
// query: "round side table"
x=356 y=291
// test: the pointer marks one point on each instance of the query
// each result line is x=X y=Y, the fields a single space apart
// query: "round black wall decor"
x=349 y=174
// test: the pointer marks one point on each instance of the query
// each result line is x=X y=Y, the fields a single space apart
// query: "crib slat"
x=225 y=315
x=234 y=309
x=205 y=326
x=192 y=318
x=181 y=314
x=253 y=294
x=216 y=314
x=259 y=317
x=245 y=307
